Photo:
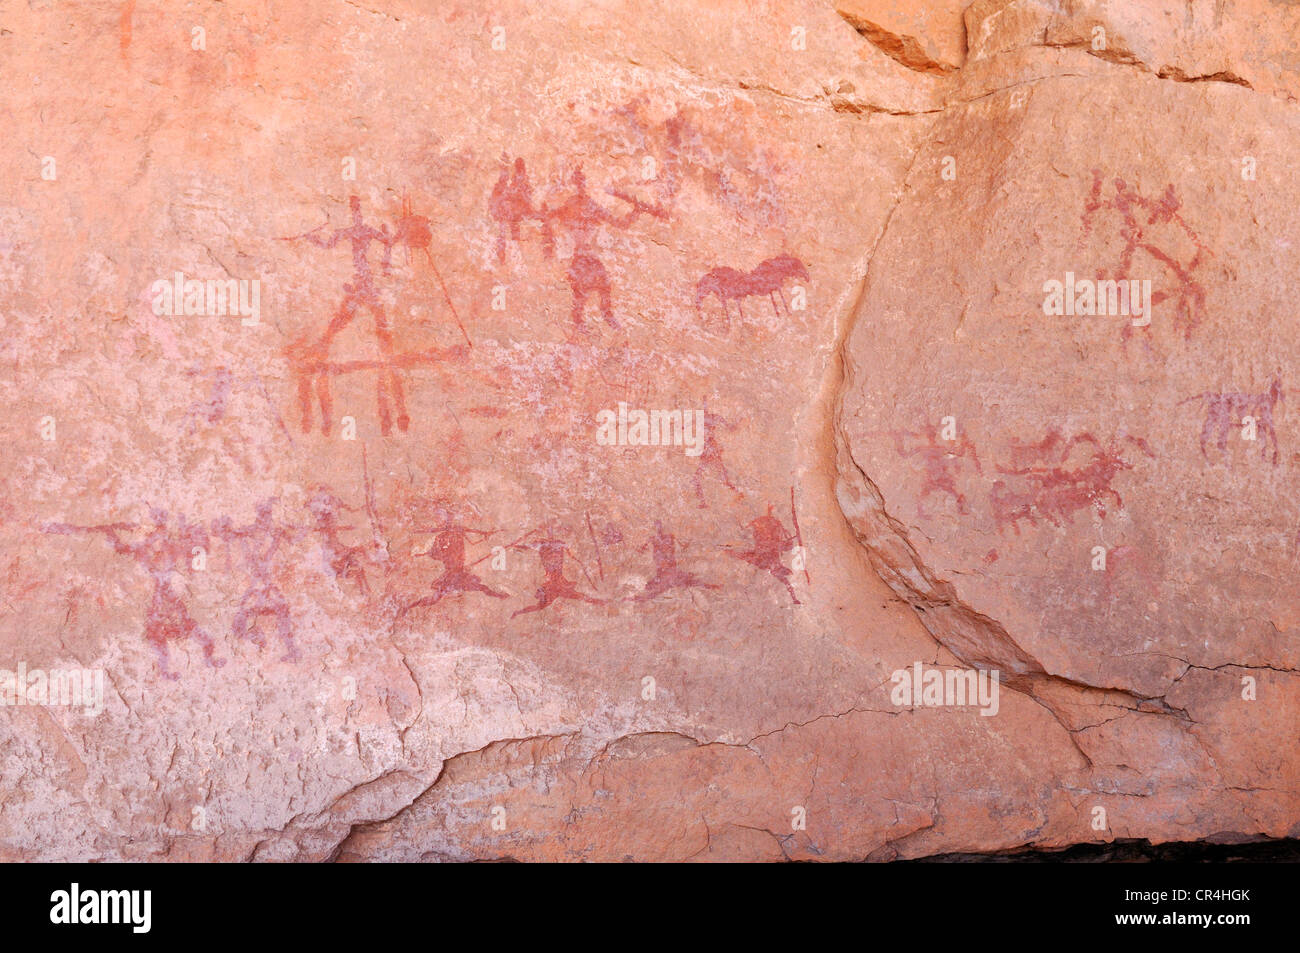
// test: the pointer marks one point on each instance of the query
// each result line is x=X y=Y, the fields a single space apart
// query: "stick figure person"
x=360 y=293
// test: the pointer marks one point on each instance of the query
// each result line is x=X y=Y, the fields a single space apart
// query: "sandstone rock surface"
x=375 y=561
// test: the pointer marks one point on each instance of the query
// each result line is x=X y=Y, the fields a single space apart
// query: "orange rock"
x=626 y=401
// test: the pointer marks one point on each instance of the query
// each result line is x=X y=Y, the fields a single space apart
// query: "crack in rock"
x=905 y=50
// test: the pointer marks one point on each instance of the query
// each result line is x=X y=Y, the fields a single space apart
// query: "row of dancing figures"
x=771 y=543
x=166 y=552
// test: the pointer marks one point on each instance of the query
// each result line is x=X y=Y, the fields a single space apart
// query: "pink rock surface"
x=377 y=568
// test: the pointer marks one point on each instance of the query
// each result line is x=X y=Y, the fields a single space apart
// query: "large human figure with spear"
x=360 y=293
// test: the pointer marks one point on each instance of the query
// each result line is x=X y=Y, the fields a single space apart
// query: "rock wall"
x=578 y=431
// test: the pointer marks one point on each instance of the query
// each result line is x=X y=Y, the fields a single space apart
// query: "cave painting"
x=941 y=460
x=766 y=280
x=164 y=552
x=259 y=544
x=710 y=457
x=555 y=585
x=313 y=363
x=222 y=384
x=1054 y=447
x=511 y=205
x=1057 y=488
x=1229 y=411
x=667 y=574
x=1154 y=227
x=415 y=233
x=771 y=542
x=580 y=217
x=686 y=146
x=265 y=550
x=448 y=548
x=345 y=562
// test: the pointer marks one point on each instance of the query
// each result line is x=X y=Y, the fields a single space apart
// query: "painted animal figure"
x=769 y=278
x=1056 y=493
x=1010 y=506
x=1225 y=411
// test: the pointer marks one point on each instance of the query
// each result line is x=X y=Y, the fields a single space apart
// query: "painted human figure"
x=555 y=585
x=771 y=543
x=259 y=544
x=710 y=458
x=1140 y=216
x=222 y=385
x=942 y=462
x=511 y=204
x=668 y=575
x=448 y=547
x=345 y=562
x=361 y=293
x=163 y=552
x=582 y=217
x=213 y=409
